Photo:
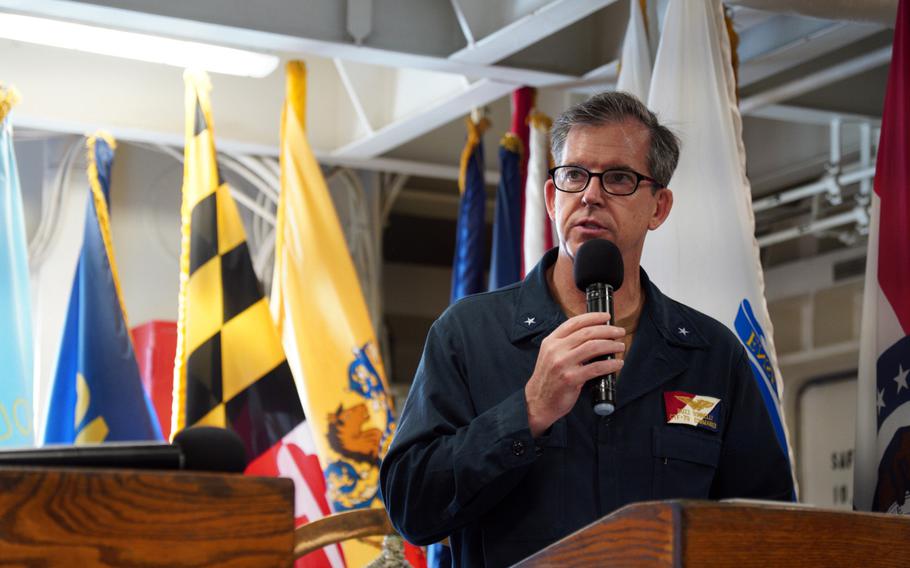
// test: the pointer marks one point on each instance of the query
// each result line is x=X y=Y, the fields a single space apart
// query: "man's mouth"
x=590 y=224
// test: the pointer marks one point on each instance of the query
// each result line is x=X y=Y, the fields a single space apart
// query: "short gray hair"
x=616 y=106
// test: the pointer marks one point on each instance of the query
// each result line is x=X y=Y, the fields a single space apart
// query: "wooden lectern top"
x=83 y=517
x=738 y=534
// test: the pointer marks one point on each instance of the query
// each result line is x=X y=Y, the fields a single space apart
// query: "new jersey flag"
x=705 y=255
x=325 y=326
x=97 y=394
x=881 y=475
x=15 y=304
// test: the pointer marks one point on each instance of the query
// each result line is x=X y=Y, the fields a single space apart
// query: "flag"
x=230 y=369
x=881 y=477
x=15 y=304
x=325 y=326
x=705 y=255
x=97 y=393
x=506 y=256
x=537 y=235
x=635 y=61
x=467 y=266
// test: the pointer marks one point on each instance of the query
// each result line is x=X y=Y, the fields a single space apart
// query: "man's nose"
x=593 y=195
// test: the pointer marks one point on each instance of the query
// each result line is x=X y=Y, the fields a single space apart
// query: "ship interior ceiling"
x=390 y=83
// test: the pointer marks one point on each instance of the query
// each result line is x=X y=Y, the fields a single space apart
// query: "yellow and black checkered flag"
x=230 y=369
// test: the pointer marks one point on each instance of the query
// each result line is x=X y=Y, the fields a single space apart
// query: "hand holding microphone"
x=578 y=351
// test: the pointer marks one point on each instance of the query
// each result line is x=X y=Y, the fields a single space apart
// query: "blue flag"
x=97 y=394
x=15 y=305
x=468 y=265
x=505 y=263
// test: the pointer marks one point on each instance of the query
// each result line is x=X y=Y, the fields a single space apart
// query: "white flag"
x=635 y=61
x=537 y=237
x=705 y=254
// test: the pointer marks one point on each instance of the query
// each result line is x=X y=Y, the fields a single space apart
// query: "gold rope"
x=9 y=97
x=475 y=131
x=104 y=218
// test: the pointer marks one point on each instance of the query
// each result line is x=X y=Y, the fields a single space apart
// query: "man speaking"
x=498 y=445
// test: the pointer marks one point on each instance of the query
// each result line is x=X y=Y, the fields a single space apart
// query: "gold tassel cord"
x=104 y=218
x=539 y=120
x=512 y=143
x=9 y=97
x=475 y=131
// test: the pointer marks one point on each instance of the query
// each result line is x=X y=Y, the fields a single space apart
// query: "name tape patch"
x=692 y=409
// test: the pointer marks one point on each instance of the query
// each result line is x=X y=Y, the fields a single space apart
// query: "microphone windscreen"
x=598 y=261
x=206 y=448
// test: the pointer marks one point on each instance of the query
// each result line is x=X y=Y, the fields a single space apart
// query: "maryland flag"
x=324 y=324
x=230 y=369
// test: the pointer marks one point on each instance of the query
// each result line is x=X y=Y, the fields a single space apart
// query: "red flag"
x=881 y=478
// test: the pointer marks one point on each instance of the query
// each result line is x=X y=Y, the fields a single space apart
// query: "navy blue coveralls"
x=464 y=465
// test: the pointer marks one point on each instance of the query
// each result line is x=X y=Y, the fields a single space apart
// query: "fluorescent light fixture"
x=131 y=45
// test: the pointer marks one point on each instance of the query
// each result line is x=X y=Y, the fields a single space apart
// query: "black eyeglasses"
x=575 y=179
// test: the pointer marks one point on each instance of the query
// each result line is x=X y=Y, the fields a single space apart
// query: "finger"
x=589 y=350
x=593 y=370
x=580 y=321
x=595 y=332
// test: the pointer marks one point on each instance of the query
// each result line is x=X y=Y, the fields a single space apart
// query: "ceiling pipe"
x=873 y=11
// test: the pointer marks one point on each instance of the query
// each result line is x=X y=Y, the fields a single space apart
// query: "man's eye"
x=574 y=175
x=618 y=178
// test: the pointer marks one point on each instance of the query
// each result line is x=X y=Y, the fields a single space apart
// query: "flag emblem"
x=353 y=479
x=692 y=410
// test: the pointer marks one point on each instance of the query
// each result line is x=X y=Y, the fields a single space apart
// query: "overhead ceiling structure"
x=389 y=82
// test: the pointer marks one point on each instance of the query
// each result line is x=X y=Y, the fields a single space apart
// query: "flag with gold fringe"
x=705 y=254
x=506 y=254
x=470 y=253
x=97 y=394
x=325 y=327
x=537 y=233
x=16 y=352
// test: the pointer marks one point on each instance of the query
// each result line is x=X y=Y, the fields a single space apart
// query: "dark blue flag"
x=97 y=394
x=468 y=265
x=505 y=263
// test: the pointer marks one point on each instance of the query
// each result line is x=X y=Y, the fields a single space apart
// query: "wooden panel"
x=636 y=535
x=130 y=518
x=746 y=535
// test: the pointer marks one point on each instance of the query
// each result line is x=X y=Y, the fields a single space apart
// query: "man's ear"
x=663 y=204
x=549 y=194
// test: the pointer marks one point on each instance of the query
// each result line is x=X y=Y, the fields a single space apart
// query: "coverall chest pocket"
x=685 y=462
x=534 y=509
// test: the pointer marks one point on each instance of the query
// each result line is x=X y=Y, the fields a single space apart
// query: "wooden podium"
x=738 y=534
x=82 y=517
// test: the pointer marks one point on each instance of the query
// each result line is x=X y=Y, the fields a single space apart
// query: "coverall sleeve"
x=448 y=465
x=752 y=464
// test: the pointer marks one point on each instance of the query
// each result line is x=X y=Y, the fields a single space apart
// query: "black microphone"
x=599 y=273
x=200 y=448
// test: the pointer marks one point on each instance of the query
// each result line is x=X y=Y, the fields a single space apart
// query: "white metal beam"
x=392 y=135
x=817 y=80
x=804 y=115
x=274 y=42
x=527 y=30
